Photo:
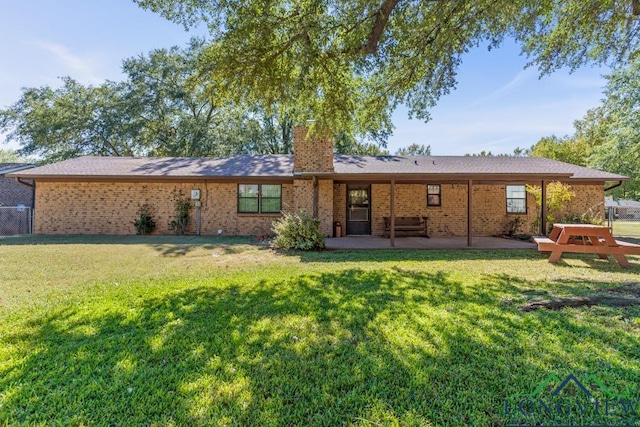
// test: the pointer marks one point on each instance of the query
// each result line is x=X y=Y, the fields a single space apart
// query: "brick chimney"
x=312 y=152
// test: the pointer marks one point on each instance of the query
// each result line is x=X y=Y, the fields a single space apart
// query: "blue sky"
x=497 y=106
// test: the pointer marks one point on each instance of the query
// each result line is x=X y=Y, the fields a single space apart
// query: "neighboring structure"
x=623 y=209
x=16 y=200
x=13 y=193
x=242 y=195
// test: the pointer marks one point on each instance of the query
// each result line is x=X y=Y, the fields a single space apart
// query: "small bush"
x=182 y=208
x=584 y=218
x=145 y=223
x=515 y=226
x=298 y=231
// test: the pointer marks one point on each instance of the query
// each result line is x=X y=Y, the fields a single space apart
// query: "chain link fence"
x=15 y=220
x=624 y=222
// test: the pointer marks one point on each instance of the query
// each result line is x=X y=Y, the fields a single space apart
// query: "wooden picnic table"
x=585 y=238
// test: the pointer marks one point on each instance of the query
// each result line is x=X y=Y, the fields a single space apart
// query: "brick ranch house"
x=242 y=195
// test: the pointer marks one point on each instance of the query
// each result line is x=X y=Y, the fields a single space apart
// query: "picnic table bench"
x=406 y=226
x=585 y=238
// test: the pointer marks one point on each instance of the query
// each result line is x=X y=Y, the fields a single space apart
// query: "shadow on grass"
x=630 y=239
x=352 y=346
x=85 y=239
x=221 y=248
x=169 y=246
x=382 y=255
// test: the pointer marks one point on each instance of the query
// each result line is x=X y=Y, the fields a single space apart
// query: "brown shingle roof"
x=178 y=167
x=281 y=166
x=465 y=165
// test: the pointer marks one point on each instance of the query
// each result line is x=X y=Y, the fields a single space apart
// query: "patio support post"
x=469 y=212
x=392 y=213
x=543 y=209
x=315 y=197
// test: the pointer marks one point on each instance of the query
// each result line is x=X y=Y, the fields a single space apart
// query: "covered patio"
x=453 y=242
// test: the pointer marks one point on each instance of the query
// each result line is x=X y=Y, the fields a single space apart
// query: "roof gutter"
x=17 y=169
x=28 y=184
x=312 y=174
x=613 y=186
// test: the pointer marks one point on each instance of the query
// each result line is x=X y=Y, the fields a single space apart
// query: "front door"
x=358 y=210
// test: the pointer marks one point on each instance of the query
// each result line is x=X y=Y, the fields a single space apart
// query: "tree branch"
x=382 y=17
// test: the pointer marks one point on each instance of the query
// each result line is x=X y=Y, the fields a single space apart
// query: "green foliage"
x=11 y=156
x=158 y=109
x=558 y=194
x=570 y=150
x=483 y=153
x=71 y=121
x=414 y=150
x=298 y=231
x=350 y=64
x=144 y=224
x=617 y=129
x=344 y=143
x=608 y=136
x=582 y=218
x=182 y=209
x=515 y=225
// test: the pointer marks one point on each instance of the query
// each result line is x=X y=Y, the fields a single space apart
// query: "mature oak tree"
x=614 y=128
x=348 y=64
x=567 y=149
x=157 y=110
x=608 y=137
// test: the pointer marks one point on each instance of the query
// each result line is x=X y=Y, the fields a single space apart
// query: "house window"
x=516 y=199
x=433 y=195
x=271 y=198
x=259 y=198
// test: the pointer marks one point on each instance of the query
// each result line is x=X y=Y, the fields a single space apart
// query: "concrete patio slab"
x=375 y=242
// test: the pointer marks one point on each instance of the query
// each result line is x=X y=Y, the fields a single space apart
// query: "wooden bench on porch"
x=406 y=226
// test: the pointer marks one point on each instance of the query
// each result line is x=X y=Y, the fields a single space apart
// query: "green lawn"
x=202 y=331
x=626 y=228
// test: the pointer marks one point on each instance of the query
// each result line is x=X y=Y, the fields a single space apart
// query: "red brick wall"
x=110 y=208
x=450 y=219
x=312 y=152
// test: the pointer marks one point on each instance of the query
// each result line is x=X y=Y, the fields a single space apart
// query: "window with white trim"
x=516 y=199
x=434 y=195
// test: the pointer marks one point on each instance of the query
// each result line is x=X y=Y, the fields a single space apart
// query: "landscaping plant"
x=144 y=223
x=558 y=194
x=298 y=231
x=182 y=208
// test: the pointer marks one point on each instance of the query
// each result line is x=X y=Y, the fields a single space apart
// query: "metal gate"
x=15 y=220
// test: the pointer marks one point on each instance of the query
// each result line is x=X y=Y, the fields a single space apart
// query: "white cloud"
x=521 y=78
x=81 y=69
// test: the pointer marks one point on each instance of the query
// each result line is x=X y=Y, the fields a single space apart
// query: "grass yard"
x=201 y=331
x=626 y=228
